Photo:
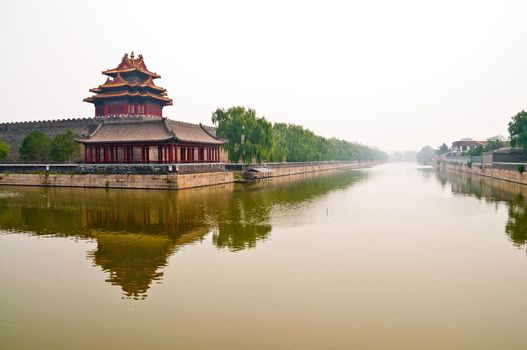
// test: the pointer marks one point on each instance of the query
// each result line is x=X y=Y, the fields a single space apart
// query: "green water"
x=393 y=257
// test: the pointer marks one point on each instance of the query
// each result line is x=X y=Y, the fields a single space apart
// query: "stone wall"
x=131 y=169
x=161 y=182
x=73 y=175
x=14 y=133
x=512 y=175
x=302 y=168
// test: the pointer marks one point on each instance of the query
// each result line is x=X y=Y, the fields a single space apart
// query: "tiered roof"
x=126 y=130
x=130 y=78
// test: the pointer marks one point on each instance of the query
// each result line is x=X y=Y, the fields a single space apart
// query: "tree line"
x=254 y=139
x=38 y=147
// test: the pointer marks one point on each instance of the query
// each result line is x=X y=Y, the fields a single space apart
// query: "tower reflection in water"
x=137 y=231
x=493 y=191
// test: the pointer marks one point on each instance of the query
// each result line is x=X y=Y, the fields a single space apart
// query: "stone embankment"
x=512 y=175
x=161 y=180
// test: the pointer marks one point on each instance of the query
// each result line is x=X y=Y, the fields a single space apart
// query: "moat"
x=390 y=257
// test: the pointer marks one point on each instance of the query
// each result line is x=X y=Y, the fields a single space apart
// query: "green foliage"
x=469 y=164
x=494 y=143
x=64 y=147
x=442 y=149
x=35 y=147
x=4 y=150
x=253 y=138
x=249 y=137
x=477 y=151
x=518 y=130
x=521 y=168
x=425 y=155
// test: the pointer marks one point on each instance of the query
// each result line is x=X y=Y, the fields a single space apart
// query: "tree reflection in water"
x=494 y=191
x=137 y=231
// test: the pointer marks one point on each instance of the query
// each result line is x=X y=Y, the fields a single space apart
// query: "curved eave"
x=92 y=99
x=133 y=85
x=125 y=141
x=114 y=72
x=218 y=142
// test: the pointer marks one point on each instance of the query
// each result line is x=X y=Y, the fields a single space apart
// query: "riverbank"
x=160 y=181
x=511 y=175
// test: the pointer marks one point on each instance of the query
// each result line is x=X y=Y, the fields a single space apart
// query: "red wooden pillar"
x=148 y=154
x=159 y=154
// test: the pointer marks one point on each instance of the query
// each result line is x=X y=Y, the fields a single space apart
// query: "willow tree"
x=249 y=137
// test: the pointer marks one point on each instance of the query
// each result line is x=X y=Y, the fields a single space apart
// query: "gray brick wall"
x=14 y=133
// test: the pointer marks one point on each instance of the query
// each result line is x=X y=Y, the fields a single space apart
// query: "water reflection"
x=493 y=191
x=137 y=231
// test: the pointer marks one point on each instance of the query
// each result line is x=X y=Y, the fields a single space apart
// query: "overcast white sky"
x=393 y=74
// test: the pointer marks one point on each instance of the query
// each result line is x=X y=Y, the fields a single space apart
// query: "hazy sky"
x=393 y=74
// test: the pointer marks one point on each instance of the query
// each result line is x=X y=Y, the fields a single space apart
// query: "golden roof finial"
x=132 y=55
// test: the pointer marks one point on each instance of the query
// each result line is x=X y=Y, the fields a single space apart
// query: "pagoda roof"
x=146 y=94
x=187 y=132
x=117 y=85
x=131 y=64
x=118 y=81
x=132 y=130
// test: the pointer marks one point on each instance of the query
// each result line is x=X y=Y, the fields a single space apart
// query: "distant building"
x=465 y=145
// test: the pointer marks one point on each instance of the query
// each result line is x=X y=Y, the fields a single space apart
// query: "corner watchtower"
x=129 y=90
